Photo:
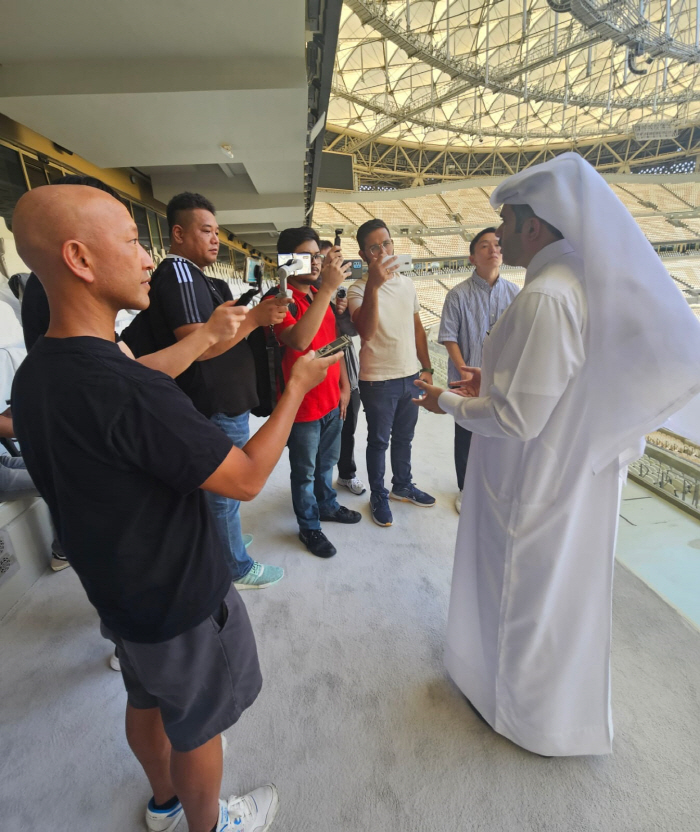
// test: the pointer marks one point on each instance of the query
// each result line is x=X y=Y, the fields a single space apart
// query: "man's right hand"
x=270 y=311
x=380 y=269
x=333 y=273
x=470 y=383
x=309 y=371
x=225 y=320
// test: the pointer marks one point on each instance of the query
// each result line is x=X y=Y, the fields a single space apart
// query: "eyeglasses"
x=318 y=258
x=387 y=245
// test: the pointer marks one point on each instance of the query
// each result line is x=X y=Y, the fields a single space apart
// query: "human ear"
x=76 y=257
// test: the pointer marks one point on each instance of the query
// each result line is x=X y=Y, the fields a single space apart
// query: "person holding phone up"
x=384 y=308
x=314 y=442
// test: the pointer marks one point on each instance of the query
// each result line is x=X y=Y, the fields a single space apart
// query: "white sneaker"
x=164 y=820
x=458 y=502
x=114 y=662
x=355 y=485
x=254 y=812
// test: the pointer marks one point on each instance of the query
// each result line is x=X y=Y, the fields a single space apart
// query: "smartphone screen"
x=305 y=259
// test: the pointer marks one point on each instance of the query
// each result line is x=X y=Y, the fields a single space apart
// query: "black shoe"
x=317 y=543
x=343 y=515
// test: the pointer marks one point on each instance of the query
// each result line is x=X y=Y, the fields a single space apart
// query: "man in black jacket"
x=222 y=382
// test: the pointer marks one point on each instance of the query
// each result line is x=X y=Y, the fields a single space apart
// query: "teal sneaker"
x=247 y=540
x=260 y=576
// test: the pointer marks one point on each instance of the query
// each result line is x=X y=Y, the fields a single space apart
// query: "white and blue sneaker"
x=253 y=812
x=163 y=820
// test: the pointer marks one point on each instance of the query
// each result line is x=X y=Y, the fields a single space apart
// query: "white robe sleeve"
x=540 y=352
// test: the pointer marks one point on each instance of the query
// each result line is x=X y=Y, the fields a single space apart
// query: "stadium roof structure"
x=431 y=90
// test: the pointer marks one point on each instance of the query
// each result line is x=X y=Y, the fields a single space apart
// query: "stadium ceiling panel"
x=512 y=77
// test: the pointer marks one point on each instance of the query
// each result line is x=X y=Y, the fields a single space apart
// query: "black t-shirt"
x=34 y=310
x=118 y=452
x=182 y=294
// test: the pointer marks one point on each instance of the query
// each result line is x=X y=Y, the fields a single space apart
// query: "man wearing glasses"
x=314 y=441
x=384 y=308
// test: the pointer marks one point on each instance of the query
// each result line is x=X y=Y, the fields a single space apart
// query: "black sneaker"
x=343 y=515
x=317 y=543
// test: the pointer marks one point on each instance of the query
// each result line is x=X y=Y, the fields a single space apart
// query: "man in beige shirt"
x=384 y=309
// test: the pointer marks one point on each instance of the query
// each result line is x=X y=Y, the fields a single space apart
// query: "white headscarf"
x=642 y=339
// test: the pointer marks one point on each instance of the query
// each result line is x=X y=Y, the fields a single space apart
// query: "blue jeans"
x=391 y=415
x=15 y=482
x=226 y=512
x=314 y=449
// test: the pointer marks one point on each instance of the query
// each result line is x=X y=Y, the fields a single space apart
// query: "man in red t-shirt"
x=314 y=442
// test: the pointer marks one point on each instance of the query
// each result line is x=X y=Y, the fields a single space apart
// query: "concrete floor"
x=357 y=723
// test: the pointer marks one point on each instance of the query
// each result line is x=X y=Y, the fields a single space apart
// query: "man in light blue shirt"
x=470 y=310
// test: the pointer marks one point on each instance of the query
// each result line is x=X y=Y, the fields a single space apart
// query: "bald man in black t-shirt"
x=123 y=459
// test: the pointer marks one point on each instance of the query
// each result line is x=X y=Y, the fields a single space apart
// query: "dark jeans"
x=314 y=448
x=346 y=463
x=463 y=439
x=391 y=415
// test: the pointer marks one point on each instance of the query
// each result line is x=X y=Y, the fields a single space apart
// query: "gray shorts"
x=202 y=680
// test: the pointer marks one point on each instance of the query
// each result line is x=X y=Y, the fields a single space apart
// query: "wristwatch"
x=427 y=370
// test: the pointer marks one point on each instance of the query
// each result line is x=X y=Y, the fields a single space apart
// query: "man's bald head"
x=47 y=217
x=82 y=243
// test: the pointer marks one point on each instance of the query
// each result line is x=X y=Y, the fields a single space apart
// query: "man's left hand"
x=430 y=400
x=341 y=304
x=270 y=311
x=426 y=377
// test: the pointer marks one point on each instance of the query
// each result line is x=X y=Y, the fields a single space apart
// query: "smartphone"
x=283 y=259
x=339 y=344
x=256 y=277
x=403 y=263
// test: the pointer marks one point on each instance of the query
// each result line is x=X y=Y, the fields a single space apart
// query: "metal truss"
x=624 y=22
x=383 y=164
x=474 y=127
x=512 y=78
x=466 y=74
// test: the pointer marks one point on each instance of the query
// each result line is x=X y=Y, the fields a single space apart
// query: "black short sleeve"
x=184 y=296
x=160 y=431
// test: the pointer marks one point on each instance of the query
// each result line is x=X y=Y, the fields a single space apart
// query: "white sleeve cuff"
x=449 y=401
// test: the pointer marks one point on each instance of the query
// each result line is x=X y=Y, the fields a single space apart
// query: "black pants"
x=463 y=439
x=346 y=464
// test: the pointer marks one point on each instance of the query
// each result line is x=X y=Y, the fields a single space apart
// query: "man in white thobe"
x=570 y=382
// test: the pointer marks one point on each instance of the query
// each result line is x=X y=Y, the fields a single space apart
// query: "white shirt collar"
x=556 y=249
